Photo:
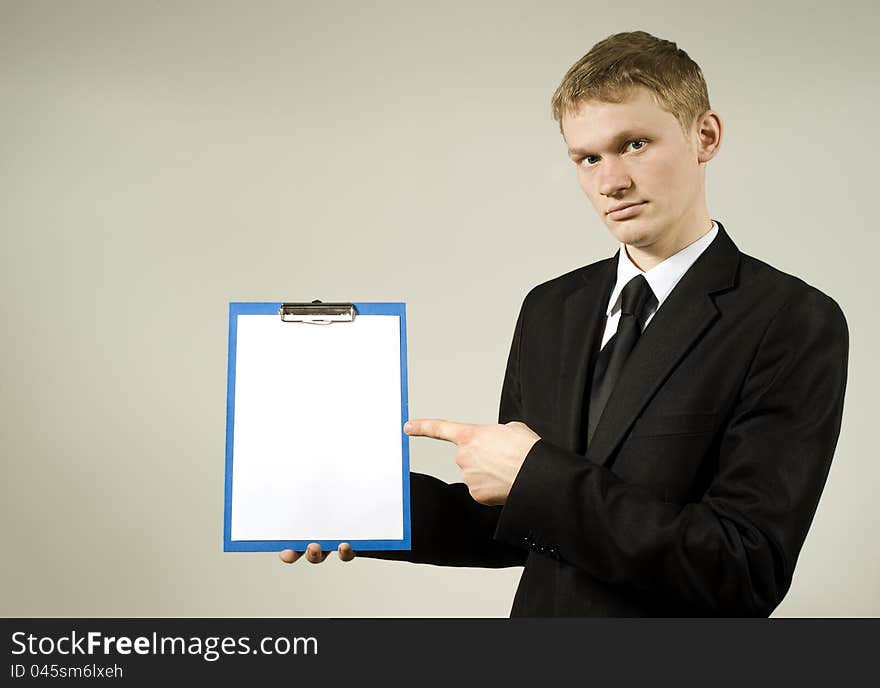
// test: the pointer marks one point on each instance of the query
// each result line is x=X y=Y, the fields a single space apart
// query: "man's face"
x=636 y=152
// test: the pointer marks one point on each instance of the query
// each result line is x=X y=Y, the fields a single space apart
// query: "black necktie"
x=637 y=299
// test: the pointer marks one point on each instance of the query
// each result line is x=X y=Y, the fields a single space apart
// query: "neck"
x=647 y=256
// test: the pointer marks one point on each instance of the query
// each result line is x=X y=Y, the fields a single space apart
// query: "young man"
x=668 y=415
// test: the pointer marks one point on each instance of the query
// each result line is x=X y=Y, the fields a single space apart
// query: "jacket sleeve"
x=733 y=552
x=449 y=528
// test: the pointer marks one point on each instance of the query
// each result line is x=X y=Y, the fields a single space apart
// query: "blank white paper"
x=317 y=439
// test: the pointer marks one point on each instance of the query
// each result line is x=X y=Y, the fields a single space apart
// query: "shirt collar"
x=663 y=276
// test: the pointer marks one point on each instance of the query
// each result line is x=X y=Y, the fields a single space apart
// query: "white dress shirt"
x=662 y=278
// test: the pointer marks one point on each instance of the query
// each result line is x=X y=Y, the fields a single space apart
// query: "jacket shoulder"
x=558 y=288
x=786 y=291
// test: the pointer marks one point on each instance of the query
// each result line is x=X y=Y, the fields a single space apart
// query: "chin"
x=634 y=233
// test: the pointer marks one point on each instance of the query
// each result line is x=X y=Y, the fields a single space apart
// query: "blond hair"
x=617 y=65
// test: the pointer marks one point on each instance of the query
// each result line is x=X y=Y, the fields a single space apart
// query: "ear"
x=708 y=132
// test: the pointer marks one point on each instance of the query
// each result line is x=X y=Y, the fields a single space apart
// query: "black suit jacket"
x=703 y=476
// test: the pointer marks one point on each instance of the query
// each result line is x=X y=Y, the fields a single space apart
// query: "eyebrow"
x=627 y=135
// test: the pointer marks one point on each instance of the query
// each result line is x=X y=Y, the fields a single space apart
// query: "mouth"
x=626 y=210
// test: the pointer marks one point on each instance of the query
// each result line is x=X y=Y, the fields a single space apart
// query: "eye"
x=589 y=160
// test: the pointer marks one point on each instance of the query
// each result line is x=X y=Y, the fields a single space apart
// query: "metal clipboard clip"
x=317 y=313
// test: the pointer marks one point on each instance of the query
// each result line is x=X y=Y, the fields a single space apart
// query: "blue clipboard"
x=254 y=498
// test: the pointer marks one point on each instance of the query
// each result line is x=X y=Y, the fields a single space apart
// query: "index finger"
x=288 y=556
x=437 y=428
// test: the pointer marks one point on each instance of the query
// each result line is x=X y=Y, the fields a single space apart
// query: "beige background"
x=160 y=159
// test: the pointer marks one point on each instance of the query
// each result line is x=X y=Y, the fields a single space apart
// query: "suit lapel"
x=583 y=322
x=684 y=317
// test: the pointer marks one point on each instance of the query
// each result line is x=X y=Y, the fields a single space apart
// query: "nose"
x=613 y=178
